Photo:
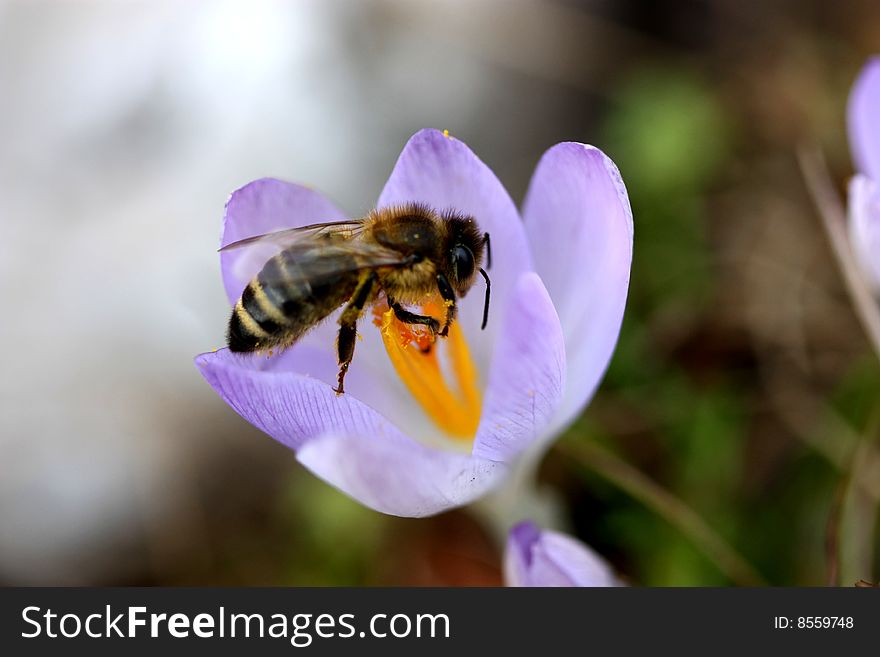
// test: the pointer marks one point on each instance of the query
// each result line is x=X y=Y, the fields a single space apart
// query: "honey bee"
x=403 y=252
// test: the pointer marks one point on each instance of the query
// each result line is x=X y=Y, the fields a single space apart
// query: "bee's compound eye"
x=462 y=262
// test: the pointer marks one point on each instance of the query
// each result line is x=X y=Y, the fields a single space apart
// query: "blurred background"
x=742 y=387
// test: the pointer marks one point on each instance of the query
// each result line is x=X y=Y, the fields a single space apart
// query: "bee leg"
x=408 y=317
x=348 y=328
x=448 y=295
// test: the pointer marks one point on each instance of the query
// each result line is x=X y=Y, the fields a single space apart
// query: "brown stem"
x=833 y=216
x=623 y=475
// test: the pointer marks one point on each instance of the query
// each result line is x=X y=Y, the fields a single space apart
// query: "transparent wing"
x=281 y=239
x=319 y=261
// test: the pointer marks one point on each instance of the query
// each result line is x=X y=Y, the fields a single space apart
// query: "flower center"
x=414 y=354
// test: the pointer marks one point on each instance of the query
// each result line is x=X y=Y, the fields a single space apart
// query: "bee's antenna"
x=488 y=289
x=488 y=251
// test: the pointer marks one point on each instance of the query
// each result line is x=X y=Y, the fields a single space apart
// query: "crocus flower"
x=540 y=557
x=417 y=434
x=864 y=194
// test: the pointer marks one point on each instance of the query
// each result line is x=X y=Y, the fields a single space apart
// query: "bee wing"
x=318 y=261
x=282 y=239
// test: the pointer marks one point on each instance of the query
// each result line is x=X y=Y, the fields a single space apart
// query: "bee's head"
x=464 y=251
x=464 y=255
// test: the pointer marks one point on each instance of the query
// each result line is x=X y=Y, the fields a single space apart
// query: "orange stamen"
x=414 y=355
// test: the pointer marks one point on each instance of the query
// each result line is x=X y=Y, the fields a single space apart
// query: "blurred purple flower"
x=536 y=557
x=560 y=275
x=864 y=194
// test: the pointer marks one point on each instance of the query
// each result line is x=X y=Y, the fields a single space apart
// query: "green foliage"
x=334 y=541
x=669 y=136
x=857 y=398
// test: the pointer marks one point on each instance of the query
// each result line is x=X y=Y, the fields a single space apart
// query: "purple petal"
x=371 y=379
x=396 y=475
x=526 y=376
x=292 y=407
x=578 y=219
x=864 y=225
x=341 y=439
x=444 y=173
x=518 y=557
x=536 y=557
x=259 y=207
x=864 y=119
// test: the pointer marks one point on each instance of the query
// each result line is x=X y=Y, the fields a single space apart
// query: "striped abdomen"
x=295 y=290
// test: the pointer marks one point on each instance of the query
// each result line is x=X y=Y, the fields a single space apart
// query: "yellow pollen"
x=414 y=354
x=446 y=133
